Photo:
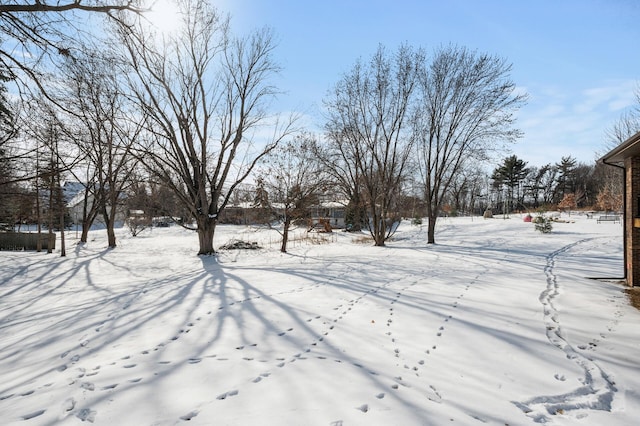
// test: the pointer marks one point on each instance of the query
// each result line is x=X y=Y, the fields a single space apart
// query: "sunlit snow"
x=494 y=324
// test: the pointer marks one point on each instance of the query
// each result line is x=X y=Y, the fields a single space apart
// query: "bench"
x=609 y=218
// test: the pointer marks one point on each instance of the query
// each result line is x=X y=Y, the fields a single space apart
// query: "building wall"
x=632 y=228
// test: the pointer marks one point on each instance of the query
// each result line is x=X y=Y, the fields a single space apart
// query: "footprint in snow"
x=68 y=405
x=189 y=416
x=560 y=377
x=364 y=408
x=88 y=386
x=87 y=415
x=435 y=391
x=227 y=394
x=33 y=415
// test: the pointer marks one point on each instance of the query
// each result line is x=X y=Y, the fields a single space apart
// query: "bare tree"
x=34 y=30
x=336 y=160
x=35 y=35
x=611 y=194
x=204 y=94
x=539 y=185
x=50 y=161
x=293 y=180
x=466 y=188
x=546 y=178
x=139 y=202
x=7 y=117
x=7 y=132
x=611 y=191
x=626 y=126
x=466 y=108
x=367 y=114
x=11 y=149
x=105 y=127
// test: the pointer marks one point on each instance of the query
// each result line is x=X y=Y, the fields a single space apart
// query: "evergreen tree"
x=566 y=180
x=510 y=175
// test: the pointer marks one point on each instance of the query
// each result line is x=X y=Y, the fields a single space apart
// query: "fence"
x=297 y=238
x=26 y=241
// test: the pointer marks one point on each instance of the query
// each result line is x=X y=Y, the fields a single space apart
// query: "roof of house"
x=628 y=148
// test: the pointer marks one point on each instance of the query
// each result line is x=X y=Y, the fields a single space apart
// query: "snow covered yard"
x=495 y=324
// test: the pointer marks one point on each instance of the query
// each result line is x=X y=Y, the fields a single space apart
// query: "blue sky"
x=577 y=59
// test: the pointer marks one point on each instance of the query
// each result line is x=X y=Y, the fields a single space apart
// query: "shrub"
x=543 y=224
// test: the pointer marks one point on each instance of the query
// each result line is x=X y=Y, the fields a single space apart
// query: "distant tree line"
x=565 y=184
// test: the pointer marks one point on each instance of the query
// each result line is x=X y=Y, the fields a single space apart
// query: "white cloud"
x=560 y=121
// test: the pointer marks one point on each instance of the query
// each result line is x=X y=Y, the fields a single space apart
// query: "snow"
x=495 y=324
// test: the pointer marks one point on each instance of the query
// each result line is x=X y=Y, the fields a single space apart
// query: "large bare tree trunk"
x=431 y=229
x=379 y=228
x=285 y=235
x=206 y=231
x=111 y=235
x=84 y=235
